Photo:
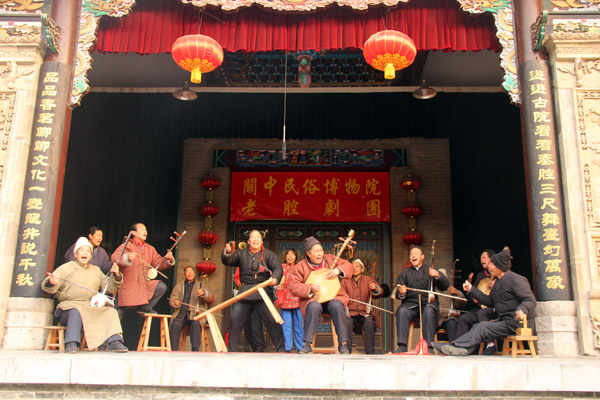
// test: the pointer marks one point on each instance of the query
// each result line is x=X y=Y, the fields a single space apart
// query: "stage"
x=179 y=375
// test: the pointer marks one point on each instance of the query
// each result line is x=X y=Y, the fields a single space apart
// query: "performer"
x=188 y=293
x=289 y=305
x=511 y=297
x=361 y=288
x=99 y=255
x=417 y=276
x=311 y=308
x=101 y=325
x=476 y=312
x=137 y=290
x=256 y=264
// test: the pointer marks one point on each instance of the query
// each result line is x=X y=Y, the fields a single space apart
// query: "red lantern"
x=210 y=182
x=206 y=267
x=197 y=53
x=208 y=237
x=410 y=182
x=413 y=238
x=208 y=209
x=412 y=210
x=389 y=51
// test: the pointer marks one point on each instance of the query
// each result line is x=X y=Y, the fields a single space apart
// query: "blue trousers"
x=293 y=331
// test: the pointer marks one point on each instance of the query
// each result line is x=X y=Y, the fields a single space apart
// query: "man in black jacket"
x=256 y=264
x=511 y=297
x=417 y=276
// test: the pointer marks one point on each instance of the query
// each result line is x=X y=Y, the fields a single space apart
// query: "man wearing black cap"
x=511 y=297
x=311 y=308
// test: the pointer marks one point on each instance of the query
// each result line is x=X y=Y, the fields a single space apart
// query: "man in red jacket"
x=361 y=288
x=311 y=308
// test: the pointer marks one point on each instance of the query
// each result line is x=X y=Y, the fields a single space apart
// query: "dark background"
x=126 y=151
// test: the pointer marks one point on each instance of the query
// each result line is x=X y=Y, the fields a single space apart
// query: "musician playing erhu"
x=137 y=290
x=101 y=325
x=185 y=300
x=417 y=276
x=511 y=297
x=362 y=288
x=311 y=308
x=257 y=265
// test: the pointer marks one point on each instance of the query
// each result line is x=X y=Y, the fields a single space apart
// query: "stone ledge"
x=251 y=371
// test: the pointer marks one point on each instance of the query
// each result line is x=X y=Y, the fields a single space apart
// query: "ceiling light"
x=424 y=92
x=185 y=93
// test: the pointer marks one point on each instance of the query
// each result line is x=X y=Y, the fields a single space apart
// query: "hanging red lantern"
x=412 y=210
x=410 y=182
x=389 y=51
x=413 y=238
x=208 y=209
x=197 y=53
x=210 y=182
x=206 y=267
x=208 y=237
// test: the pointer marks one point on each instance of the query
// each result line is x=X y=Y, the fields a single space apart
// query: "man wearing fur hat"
x=511 y=297
x=361 y=288
x=188 y=293
x=311 y=308
x=75 y=283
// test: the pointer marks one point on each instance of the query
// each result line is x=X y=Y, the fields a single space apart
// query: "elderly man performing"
x=185 y=300
x=75 y=283
x=417 y=276
x=138 y=291
x=311 y=308
x=361 y=288
x=257 y=264
x=99 y=256
x=511 y=297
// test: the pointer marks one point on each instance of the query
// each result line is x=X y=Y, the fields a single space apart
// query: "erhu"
x=153 y=271
x=100 y=299
x=431 y=296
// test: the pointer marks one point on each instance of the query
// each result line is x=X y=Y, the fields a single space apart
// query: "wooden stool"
x=435 y=338
x=514 y=345
x=56 y=338
x=327 y=350
x=411 y=330
x=204 y=332
x=165 y=340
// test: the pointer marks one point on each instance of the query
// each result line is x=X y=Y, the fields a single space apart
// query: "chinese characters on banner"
x=550 y=248
x=40 y=183
x=310 y=196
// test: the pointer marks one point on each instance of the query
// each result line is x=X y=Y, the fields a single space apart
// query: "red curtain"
x=153 y=26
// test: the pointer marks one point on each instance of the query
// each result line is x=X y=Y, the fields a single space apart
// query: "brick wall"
x=428 y=159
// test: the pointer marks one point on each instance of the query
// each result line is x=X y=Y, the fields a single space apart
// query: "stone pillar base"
x=556 y=327
x=25 y=319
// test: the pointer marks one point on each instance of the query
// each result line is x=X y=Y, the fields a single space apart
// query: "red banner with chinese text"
x=310 y=196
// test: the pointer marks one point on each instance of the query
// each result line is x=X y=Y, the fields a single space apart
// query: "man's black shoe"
x=343 y=349
x=147 y=309
x=72 y=347
x=489 y=351
x=307 y=349
x=117 y=346
x=401 y=349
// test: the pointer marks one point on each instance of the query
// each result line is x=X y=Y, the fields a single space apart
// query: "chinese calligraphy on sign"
x=315 y=196
x=544 y=181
